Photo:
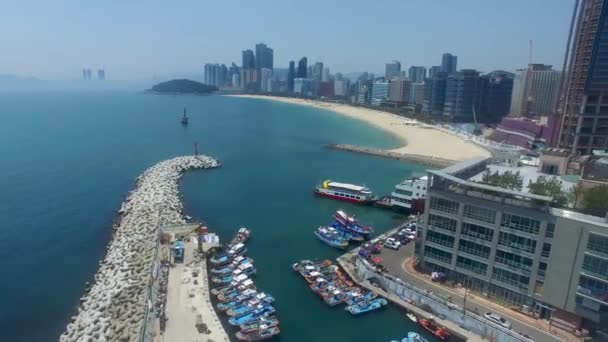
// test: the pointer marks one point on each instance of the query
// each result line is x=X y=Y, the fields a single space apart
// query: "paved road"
x=393 y=260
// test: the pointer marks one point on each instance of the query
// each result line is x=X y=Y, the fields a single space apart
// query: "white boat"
x=345 y=192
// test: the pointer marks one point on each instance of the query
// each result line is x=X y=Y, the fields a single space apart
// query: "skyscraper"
x=584 y=117
x=535 y=91
x=399 y=90
x=496 y=89
x=265 y=79
x=215 y=74
x=417 y=74
x=264 y=56
x=248 y=59
x=101 y=75
x=325 y=75
x=462 y=95
x=393 y=69
x=317 y=71
x=87 y=74
x=448 y=63
x=434 y=93
x=302 y=68
x=434 y=70
x=379 y=92
x=291 y=75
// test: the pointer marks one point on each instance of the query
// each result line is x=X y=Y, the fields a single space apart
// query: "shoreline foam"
x=418 y=139
x=114 y=307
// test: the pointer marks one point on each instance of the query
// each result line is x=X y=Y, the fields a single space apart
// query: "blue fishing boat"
x=222 y=270
x=263 y=333
x=331 y=237
x=251 y=316
x=246 y=295
x=228 y=296
x=259 y=300
x=221 y=259
x=335 y=297
x=348 y=234
x=356 y=297
x=414 y=337
x=244 y=269
x=351 y=224
x=259 y=323
x=366 y=306
x=238 y=249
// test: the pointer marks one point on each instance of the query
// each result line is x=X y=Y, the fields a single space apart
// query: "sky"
x=134 y=39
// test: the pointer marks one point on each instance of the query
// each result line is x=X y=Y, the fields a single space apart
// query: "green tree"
x=595 y=200
x=508 y=179
x=549 y=187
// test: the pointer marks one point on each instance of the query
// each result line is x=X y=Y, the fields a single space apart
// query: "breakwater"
x=416 y=158
x=115 y=305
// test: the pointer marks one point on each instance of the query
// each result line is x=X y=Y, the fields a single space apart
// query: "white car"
x=496 y=318
x=392 y=244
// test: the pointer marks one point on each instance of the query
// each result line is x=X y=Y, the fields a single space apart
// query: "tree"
x=595 y=201
x=577 y=194
x=549 y=187
x=508 y=180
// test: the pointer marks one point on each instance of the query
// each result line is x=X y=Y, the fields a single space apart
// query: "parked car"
x=392 y=244
x=496 y=318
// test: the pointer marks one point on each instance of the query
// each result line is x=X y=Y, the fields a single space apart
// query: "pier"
x=416 y=158
x=124 y=297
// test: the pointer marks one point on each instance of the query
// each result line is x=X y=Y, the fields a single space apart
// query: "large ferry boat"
x=345 y=192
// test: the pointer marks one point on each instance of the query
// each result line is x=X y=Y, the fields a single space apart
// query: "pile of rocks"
x=114 y=308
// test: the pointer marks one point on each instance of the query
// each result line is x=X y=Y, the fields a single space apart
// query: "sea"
x=69 y=156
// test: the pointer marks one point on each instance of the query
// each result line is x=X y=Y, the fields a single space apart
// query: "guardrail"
x=442 y=301
x=147 y=328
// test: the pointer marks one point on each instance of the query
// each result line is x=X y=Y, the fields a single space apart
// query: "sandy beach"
x=417 y=139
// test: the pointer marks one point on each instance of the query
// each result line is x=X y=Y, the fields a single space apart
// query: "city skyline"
x=180 y=40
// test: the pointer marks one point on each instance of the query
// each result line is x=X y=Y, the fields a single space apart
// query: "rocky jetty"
x=114 y=307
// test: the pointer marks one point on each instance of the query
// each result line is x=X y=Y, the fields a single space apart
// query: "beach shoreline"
x=417 y=138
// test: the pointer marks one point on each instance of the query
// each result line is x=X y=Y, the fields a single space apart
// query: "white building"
x=535 y=91
x=407 y=191
x=341 y=88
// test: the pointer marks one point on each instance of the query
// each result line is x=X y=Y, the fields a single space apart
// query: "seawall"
x=114 y=308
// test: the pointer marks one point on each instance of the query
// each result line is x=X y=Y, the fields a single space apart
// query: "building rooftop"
x=557 y=152
x=596 y=169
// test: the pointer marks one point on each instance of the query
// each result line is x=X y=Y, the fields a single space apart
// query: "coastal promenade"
x=118 y=304
x=416 y=158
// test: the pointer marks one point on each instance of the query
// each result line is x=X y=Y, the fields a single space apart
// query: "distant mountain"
x=182 y=86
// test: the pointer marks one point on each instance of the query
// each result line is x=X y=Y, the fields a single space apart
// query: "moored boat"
x=431 y=327
x=345 y=192
x=412 y=317
x=238 y=249
x=415 y=337
x=251 y=316
x=221 y=259
x=257 y=324
x=331 y=238
x=351 y=224
x=264 y=332
x=241 y=236
x=366 y=306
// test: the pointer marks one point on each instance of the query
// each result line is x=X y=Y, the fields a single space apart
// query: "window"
x=598 y=243
x=471 y=265
x=595 y=266
x=441 y=239
x=593 y=288
x=476 y=231
x=510 y=278
x=474 y=248
x=550 y=233
x=437 y=254
x=517 y=242
x=523 y=224
x=546 y=250
x=444 y=205
x=513 y=260
x=442 y=222
x=403 y=192
x=479 y=213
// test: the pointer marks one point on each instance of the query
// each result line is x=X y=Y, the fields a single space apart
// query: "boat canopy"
x=347 y=186
x=248 y=282
x=314 y=273
x=237 y=246
x=240 y=277
x=248 y=292
x=309 y=267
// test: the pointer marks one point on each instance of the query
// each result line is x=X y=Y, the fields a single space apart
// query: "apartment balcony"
x=517 y=268
x=597 y=296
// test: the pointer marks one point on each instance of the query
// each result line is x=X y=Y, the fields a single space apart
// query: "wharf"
x=347 y=262
x=417 y=158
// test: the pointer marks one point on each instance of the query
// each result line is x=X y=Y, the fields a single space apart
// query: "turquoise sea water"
x=68 y=158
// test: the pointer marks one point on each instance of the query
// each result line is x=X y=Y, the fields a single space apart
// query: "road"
x=394 y=261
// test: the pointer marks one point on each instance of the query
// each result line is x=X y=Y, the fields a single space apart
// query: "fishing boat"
x=246 y=295
x=232 y=266
x=240 y=285
x=243 y=269
x=357 y=297
x=366 y=306
x=185 y=118
x=241 y=236
x=259 y=300
x=251 y=316
x=257 y=324
x=335 y=297
x=306 y=264
x=238 y=249
x=345 y=192
x=412 y=317
x=221 y=259
x=351 y=224
x=415 y=337
x=348 y=234
x=331 y=238
x=263 y=333
x=431 y=327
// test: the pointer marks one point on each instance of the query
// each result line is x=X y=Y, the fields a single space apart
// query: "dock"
x=416 y=158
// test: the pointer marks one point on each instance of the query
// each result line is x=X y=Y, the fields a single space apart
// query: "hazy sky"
x=138 y=39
